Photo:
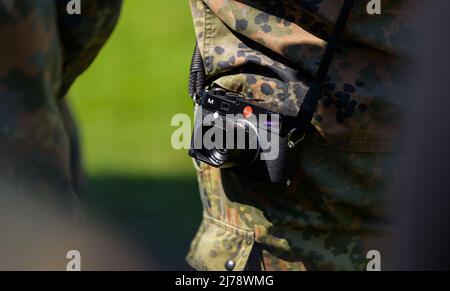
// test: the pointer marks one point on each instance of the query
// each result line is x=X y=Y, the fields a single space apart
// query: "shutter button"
x=230 y=265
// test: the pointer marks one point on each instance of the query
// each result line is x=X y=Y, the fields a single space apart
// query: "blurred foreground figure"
x=338 y=207
x=43 y=50
x=424 y=202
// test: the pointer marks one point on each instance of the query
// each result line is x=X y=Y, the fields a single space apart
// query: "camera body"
x=245 y=136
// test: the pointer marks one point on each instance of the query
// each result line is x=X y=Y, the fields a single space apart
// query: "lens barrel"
x=240 y=146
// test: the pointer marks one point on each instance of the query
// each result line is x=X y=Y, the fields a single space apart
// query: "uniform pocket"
x=220 y=247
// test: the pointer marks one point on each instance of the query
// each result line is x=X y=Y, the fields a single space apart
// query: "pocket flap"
x=217 y=245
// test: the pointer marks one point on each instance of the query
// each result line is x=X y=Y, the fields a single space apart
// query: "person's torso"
x=337 y=207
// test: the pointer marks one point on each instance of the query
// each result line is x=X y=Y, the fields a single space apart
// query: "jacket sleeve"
x=84 y=35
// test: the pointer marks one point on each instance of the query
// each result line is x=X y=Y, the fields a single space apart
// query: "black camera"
x=245 y=136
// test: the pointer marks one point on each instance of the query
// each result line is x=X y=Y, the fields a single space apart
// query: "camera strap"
x=196 y=75
x=312 y=97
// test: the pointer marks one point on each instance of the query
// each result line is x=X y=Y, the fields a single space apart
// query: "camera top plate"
x=229 y=103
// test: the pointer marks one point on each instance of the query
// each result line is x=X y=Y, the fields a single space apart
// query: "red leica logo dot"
x=248 y=111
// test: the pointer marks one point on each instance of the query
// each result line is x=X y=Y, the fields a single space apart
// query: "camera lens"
x=222 y=151
x=241 y=146
x=219 y=156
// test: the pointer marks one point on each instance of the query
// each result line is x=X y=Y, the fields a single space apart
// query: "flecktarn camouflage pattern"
x=42 y=51
x=338 y=206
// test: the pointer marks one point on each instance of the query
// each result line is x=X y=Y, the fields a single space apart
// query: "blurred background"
x=124 y=104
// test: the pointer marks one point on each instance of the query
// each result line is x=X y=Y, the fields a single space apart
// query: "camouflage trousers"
x=336 y=211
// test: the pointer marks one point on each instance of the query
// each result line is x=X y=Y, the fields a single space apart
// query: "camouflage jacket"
x=338 y=207
x=42 y=51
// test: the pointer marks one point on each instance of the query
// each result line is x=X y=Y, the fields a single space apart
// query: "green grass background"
x=124 y=104
x=126 y=100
